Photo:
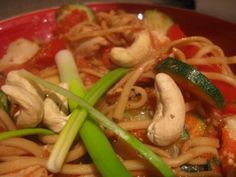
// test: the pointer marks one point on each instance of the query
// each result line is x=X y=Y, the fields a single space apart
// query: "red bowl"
x=39 y=25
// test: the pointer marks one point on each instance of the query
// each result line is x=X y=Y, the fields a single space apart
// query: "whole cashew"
x=139 y=50
x=168 y=121
x=55 y=110
x=27 y=96
x=54 y=118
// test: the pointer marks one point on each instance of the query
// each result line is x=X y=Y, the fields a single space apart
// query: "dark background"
x=224 y=9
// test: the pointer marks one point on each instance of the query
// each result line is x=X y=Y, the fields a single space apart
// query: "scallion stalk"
x=108 y=164
x=99 y=117
x=24 y=132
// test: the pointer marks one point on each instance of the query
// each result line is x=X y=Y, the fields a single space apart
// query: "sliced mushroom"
x=25 y=95
x=168 y=121
x=139 y=50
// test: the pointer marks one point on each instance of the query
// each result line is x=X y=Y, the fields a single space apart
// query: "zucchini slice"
x=66 y=9
x=195 y=168
x=159 y=21
x=193 y=80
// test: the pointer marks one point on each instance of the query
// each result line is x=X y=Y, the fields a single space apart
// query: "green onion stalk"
x=108 y=164
x=107 y=123
x=25 y=132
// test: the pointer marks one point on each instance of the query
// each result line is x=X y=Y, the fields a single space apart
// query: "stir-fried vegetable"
x=193 y=80
x=99 y=117
x=195 y=125
x=70 y=15
x=195 y=168
x=4 y=103
x=108 y=164
x=158 y=21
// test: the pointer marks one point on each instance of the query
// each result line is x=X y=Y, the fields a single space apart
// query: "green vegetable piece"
x=185 y=135
x=192 y=80
x=4 y=102
x=108 y=164
x=107 y=123
x=24 y=132
x=195 y=168
x=66 y=9
x=215 y=161
x=201 y=122
x=158 y=21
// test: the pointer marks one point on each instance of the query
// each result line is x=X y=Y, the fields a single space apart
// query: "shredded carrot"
x=194 y=125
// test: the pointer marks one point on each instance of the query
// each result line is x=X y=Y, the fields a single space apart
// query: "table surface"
x=220 y=9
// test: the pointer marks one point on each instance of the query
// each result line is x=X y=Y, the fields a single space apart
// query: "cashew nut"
x=168 y=121
x=91 y=46
x=21 y=92
x=139 y=50
x=55 y=110
x=54 y=118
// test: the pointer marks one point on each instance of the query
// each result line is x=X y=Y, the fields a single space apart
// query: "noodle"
x=21 y=163
x=2 y=126
x=78 y=151
x=131 y=165
x=24 y=144
x=75 y=37
x=184 y=41
x=198 y=161
x=6 y=120
x=70 y=169
x=211 y=60
x=199 y=174
x=135 y=124
x=159 y=151
x=121 y=104
x=89 y=175
x=210 y=49
x=11 y=151
x=48 y=139
x=120 y=83
x=200 y=141
x=48 y=72
x=220 y=77
x=143 y=98
x=32 y=171
x=189 y=155
x=178 y=54
x=75 y=153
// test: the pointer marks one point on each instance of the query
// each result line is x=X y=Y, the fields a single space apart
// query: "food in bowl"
x=115 y=93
